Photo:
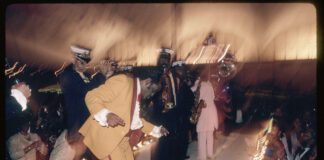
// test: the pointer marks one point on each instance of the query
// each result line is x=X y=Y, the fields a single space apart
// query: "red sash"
x=135 y=136
x=134 y=99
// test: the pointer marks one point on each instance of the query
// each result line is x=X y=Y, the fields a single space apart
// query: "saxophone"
x=167 y=94
x=199 y=105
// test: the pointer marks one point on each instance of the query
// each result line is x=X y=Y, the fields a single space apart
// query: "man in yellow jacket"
x=115 y=110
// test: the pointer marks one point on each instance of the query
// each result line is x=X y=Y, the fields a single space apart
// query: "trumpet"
x=110 y=67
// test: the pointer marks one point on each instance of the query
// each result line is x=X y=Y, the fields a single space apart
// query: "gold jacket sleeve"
x=104 y=94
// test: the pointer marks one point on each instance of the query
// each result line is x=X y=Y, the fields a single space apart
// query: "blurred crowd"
x=290 y=135
x=103 y=112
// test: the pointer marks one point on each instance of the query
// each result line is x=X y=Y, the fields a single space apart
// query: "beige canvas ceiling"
x=41 y=34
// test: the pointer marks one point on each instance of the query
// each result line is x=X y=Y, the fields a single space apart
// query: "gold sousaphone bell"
x=226 y=67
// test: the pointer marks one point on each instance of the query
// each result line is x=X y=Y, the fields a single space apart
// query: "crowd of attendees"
x=292 y=133
x=59 y=119
x=292 y=137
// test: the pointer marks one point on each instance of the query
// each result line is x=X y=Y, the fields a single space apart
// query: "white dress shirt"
x=294 y=145
x=101 y=116
x=136 y=122
x=21 y=99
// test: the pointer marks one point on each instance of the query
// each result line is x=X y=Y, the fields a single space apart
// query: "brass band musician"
x=165 y=105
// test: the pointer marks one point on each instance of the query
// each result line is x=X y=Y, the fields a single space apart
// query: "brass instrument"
x=116 y=68
x=123 y=69
x=167 y=93
x=199 y=105
x=113 y=68
x=227 y=67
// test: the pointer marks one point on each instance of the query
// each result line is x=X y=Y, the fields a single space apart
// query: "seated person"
x=308 y=144
x=275 y=149
x=24 y=144
x=290 y=139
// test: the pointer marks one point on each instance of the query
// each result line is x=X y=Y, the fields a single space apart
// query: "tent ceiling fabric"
x=39 y=34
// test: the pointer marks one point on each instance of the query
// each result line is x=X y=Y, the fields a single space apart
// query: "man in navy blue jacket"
x=75 y=82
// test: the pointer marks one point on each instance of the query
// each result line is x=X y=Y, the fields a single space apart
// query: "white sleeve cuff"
x=101 y=117
x=156 y=132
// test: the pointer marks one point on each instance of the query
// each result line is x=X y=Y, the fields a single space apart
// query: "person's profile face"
x=150 y=88
x=25 y=127
x=164 y=61
x=278 y=112
x=204 y=77
x=189 y=82
x=27 y=90
x=106 y=67
x=180 y=72
x=80 y=65
x=275 y=130
x=24 y=88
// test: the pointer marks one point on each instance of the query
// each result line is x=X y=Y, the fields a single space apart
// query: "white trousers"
x=205 y=145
